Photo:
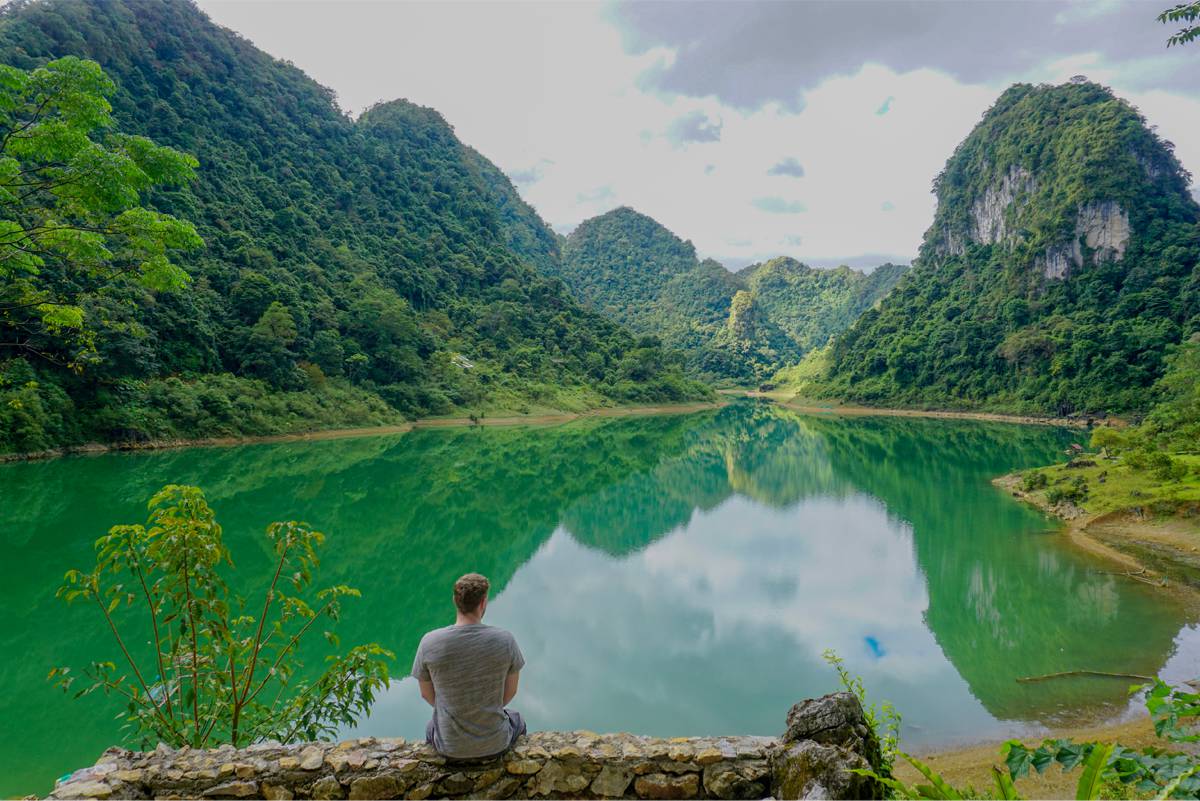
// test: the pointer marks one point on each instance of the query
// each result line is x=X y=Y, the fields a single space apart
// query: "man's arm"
x=510 y=686
x=428 y=693
x=514 y=670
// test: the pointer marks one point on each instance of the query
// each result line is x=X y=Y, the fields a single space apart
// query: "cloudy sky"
x=809 y=129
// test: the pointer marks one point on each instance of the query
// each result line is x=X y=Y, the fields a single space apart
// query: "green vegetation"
x=71 y=222
x=378 y=261
x=1110 y=770
x=212 y=657
x=1119 y=484
x=731 y=327
x=884 y=720
x=983 y=321
x=34 y=415
x=1187 y=13
x=1153 y=467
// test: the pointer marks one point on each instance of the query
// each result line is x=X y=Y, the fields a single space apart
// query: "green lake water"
x=669 y=575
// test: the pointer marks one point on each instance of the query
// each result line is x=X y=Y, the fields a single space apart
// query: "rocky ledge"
x=826 y=740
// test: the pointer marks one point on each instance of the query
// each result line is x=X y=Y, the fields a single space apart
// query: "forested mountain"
x=352 y=271
x=1062 y=267
x=739 y=327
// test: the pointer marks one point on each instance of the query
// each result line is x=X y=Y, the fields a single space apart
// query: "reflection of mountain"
x=1000 y=612
x=746 y=449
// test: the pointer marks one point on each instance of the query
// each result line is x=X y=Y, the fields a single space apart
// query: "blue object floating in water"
x=874 y=646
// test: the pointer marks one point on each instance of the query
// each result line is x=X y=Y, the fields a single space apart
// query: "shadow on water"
x=669 y=574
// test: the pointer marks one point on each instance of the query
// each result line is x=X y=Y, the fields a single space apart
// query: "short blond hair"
x=469 y=592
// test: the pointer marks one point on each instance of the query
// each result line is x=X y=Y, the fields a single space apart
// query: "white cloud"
x=548 y=92
x=1080 y=10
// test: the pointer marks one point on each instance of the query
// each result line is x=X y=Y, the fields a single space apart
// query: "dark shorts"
x=514 y=718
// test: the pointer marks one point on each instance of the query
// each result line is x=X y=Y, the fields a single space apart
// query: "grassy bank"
x=1148 y=521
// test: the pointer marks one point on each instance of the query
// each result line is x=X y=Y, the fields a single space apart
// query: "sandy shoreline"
x=971 y=764
x=368 y=431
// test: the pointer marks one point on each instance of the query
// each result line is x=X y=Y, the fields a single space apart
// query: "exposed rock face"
x=1102 y=227
x=989 y=214
x=741 y=315
x=826 y=738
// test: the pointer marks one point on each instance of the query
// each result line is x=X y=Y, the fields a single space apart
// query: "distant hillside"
x=1062 y=266
x=406 y=264
x=739 y=327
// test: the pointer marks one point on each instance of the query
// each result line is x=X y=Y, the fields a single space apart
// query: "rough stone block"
x=663 y=786
x=327 y=788
x=385 y=785
x=239 y=789
x=311 y=758
x=835 y=719
x=84 y=789
x=457 y=783
x=523 y=767
x=277 y=792
x=809 y=769
x=726 y=780
x=611 y=781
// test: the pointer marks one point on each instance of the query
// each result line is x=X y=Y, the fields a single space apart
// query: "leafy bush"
x=1076 y=492
x=219 y=673
x=1034 y=480
x=1165 y=468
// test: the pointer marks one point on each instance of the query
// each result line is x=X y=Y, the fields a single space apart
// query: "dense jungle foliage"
x=732 y=327
x=1148 y=470
x=979 y=322
x=352 y=272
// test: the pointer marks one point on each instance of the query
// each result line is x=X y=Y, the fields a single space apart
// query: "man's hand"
x=510 y=686
x=427 y=691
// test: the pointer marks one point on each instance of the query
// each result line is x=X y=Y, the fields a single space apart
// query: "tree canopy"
x=72 y=219
x=411 y=272
x=738 y=327
x=1187 y=13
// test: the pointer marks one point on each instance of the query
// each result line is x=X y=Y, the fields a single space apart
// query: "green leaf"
x=1173 y=785
x=940 y=789
x=1092 y=779
x=1005 y=788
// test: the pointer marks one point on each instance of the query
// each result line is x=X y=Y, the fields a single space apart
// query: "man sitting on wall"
x=468 y=673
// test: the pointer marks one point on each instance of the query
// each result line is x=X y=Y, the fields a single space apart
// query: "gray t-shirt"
x=468 y=665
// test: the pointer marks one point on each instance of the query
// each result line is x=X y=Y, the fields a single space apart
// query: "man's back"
x=468 y=665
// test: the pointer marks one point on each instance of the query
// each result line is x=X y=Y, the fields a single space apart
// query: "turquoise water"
x=667 y=575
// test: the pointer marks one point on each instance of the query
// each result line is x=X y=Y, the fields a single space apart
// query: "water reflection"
x=673 y=575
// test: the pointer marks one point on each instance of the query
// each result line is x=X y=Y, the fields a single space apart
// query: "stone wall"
x=825 y=739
